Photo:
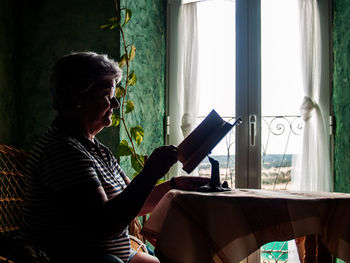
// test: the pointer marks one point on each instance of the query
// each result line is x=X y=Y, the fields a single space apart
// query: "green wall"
x=146 y=31
x=341 y=93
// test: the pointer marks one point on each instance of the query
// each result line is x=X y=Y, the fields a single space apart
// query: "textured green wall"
x=341 y=93
x=146 y=31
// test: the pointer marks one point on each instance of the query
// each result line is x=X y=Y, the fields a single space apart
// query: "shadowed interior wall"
x=341 y=93
x=7 y=72
x=43 y=32
x=146 y=31
x=49 y=30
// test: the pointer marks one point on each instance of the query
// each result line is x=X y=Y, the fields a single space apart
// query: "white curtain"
x=313 y=167
x=188 y=66
x=184 y=87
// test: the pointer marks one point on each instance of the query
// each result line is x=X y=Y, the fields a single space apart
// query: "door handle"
x=252 y=129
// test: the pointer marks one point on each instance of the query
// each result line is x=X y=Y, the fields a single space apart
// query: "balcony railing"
x=280 y=138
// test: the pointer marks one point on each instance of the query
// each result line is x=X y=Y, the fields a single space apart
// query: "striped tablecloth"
x=228 y=226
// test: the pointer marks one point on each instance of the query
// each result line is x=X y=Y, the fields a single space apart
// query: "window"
x=248 y=66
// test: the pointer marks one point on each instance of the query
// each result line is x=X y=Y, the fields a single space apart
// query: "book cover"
x=200 y=142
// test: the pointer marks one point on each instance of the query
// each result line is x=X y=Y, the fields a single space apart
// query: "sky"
x=281 y=81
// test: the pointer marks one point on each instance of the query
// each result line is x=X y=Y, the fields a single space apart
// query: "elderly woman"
x=79 y=202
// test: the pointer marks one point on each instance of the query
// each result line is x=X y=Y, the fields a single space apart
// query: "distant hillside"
x=268 y=161
x=277 y=160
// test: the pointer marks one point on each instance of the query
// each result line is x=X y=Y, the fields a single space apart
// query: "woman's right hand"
x=160 y=161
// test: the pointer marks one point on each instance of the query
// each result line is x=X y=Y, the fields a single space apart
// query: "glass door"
x=281 y=97
x=282 y=92
x=215 y=28
x=267 y=89
x=217 y=62
x=248 y=94
x=249 y=67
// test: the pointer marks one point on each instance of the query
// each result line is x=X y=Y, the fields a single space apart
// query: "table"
x=228 y=226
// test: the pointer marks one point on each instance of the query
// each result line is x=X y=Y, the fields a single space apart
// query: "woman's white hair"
x=74 y=74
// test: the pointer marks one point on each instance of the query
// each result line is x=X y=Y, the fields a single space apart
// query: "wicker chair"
x=136 y=239
x=12 y=162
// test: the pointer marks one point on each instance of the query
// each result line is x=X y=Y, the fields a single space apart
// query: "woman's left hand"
x=190 y=183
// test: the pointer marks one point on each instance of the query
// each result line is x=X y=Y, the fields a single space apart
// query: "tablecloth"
x=228 y=226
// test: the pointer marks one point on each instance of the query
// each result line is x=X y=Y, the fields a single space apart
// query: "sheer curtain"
x=188 y=66
x=184 y=87
x=313 y=167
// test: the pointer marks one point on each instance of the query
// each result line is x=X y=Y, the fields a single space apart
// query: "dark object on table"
x=214 y=185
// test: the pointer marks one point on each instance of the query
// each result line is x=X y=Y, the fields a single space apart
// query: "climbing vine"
x=134 y=134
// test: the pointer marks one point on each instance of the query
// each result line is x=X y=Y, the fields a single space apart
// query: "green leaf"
x=119 y=92
x=123 y=149
x=109 y=26
x=130 y=105
x=115 y=120
x=135 y=163
x=104 y=26
x=132 y=79
x=113 y=19
x=135 y=174
x=132 y=52
x=144 y=158
x=160 y=181
x=137 y=134
x=122 y=61
x=112 y=23
x=128 y=15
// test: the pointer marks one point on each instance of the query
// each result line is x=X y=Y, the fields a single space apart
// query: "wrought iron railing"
x=288 y=126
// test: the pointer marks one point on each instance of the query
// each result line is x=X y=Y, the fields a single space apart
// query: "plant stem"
x=133 y=152
x=116 y=9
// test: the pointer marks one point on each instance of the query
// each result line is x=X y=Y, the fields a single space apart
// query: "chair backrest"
x=12 y=162
x=138 y=245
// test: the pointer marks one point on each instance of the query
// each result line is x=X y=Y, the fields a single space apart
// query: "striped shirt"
x=59 y=161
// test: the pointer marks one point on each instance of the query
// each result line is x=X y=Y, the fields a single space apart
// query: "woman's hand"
x=189 y=183
x=160 y=161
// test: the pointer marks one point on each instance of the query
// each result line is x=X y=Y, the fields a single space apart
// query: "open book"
x=200 y=142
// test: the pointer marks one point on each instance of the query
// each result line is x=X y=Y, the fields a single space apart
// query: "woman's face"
x=99 y=104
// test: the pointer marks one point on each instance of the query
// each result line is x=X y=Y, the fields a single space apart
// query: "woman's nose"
x=115 y=103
